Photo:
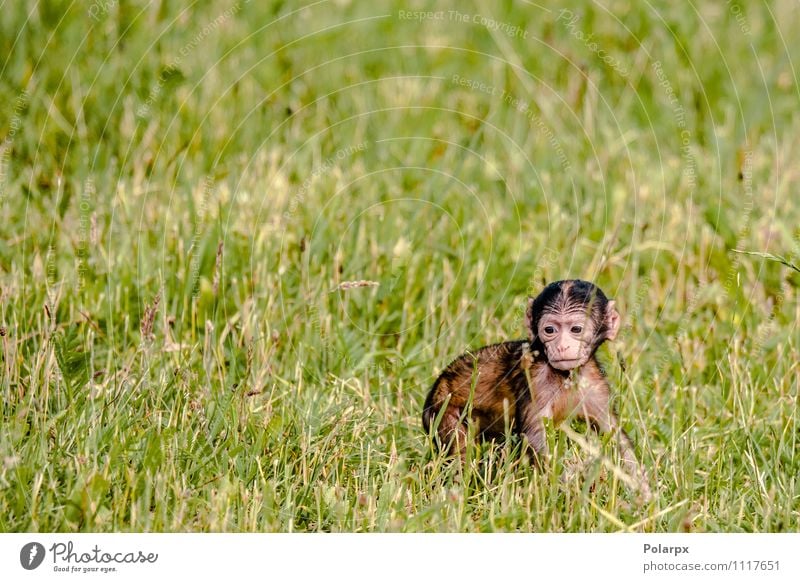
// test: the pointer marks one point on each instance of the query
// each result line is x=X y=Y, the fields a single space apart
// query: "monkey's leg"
x=629 y=456
x=597 y=411
x=453 y=432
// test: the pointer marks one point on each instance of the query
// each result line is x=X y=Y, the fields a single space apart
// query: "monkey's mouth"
x=566 y=364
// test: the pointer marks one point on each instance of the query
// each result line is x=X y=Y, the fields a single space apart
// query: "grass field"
x=188 y=195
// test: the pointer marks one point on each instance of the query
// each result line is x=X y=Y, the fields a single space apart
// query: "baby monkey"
x=554 y=374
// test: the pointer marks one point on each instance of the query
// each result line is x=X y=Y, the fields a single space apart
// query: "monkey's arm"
x=531 y=423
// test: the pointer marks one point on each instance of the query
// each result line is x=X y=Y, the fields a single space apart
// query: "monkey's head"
x=571 y=319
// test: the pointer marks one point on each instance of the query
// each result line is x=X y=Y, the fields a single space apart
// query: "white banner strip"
x=417 y=557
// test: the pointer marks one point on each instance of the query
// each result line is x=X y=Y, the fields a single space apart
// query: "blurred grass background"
x=183 y=191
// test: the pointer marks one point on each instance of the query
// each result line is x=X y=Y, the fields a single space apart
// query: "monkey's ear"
x=529 y=320
x=612 y=321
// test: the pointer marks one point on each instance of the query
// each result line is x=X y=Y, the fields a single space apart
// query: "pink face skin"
x=567 y=339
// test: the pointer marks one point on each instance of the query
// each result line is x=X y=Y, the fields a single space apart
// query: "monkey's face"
x=571 y=318
x=568 y=339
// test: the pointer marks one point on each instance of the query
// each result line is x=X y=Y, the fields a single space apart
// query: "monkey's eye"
x=576 y=329
x=549 y=329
